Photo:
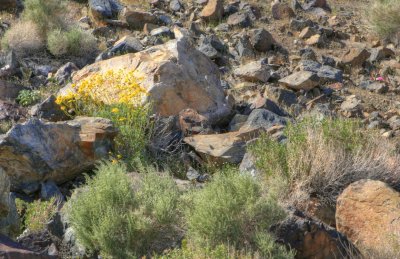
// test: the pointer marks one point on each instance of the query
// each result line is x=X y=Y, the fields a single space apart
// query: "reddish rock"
x=214 y=10
x=191 y=122
x=368 y=213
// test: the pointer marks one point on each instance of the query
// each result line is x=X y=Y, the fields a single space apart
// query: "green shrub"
x=233 y=209
x=321 y=158
x=74 y=41
x=46 y=14
x=28 y=97
x=119 y=219
x=37 y=214
x=384 y=16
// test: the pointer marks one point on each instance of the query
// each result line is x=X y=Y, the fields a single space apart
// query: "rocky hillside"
x=200 y=129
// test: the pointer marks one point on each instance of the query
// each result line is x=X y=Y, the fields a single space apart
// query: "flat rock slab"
x=302 y=80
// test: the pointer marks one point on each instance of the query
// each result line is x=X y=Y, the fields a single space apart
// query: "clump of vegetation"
x=234 y=210
x=115 y=95
x=23 y=38
x=5 y=126
x=384 y=16
x=28 y=97
x=321 y=158
x=37 y=214
x=74 y=42
x=119 y=219
x=46 y=14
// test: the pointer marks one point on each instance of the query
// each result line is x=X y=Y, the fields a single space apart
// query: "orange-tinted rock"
x=214 y=10
x=355 y=57
x=368 y=213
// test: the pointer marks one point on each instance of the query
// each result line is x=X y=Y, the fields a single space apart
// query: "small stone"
x=214 y=10
x=253 y=72
x=355 y=57
x=239 y=19
x=281 y=11
x=302 y=80
x=261 y=40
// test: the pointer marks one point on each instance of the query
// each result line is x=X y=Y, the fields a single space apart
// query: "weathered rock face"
x=368 y=213
x=176 y=77
x=222 y=148
x=10 y=249
x=36 y=151
x=312 y=239
x=9 y=90
x=213 y=10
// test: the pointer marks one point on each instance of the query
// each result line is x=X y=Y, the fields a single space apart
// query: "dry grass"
x=384 y=16
x=320 y=159
x=24 y=38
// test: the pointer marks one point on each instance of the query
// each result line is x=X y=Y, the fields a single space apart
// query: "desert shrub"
x=119 y=219
x=74 y=41
x=5 y=126
x=321 y=158
x=233 y=209
x=23 y=38
x=46 y=14
x=384 y=16
x=115 y=95
x=28 y=97
x=35 y=215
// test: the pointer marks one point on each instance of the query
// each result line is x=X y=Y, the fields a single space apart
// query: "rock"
x=261 y=40
x=49 y=110
x=351 y=106
x=10 y=249
x=222 y=148
x=253 y=72
x=379 y=53
x=8 y=4
x=248 y=165
x=39 y=242
x=213 y=11
x=394 y=122
x=268 y=104
x=104 y=9
x=177 y=77
x=355 y=57
x=175 y=5
x=136 y=19
x=10 y=224
x=281 y=11
x=239 y=20
x=367 y=212
x=307 y=33
x=9 y=90
x=312 y=239
x=191 y=122
x=9 y=111
x=281 y=96
x=316 y=4
x=378 y=87
x=49 y=189
x=237 y=122
x=316 y=39
x=329 y=74
x=308 y=54
x=35 y=151
x=298 y=25
x=64 y=73
x=126 y=44
x=262 y=118
x=162 y=31
x=4 y=194
x=245 y=48
x=302 y=80
x=8 y=64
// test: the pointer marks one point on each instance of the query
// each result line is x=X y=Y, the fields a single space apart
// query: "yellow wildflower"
x=115 y=110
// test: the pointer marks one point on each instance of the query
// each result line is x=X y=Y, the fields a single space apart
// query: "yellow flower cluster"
x=110 y=87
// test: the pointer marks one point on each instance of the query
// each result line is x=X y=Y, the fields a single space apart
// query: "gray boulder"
x=36 y=151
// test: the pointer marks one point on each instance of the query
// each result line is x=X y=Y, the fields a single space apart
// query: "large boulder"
x=176 y=76
x=368 y=213
x=36 y=151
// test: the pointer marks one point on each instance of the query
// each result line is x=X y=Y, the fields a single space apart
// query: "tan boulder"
x=175 y=76
x=368 y=213
x=302 y=80
x=214 y=10
x=136 y=19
